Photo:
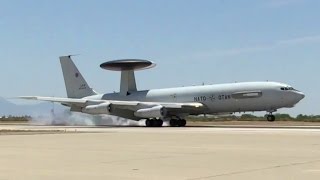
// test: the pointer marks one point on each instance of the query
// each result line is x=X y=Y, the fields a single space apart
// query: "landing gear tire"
x=178 y=122
x=271 y=118
x=158 y=123
x=149 y=123
x=154 y=123
x=182 y=123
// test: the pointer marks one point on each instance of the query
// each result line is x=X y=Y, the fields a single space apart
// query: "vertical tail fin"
x=76 y=85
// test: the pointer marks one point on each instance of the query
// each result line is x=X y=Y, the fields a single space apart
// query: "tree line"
x=251 y=117
x=11 y=118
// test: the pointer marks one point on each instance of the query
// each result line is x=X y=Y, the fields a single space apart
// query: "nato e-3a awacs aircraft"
x=172 y=104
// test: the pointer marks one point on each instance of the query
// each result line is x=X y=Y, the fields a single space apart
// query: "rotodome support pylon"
x=127 y=68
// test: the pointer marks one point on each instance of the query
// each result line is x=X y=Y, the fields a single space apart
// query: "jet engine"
x=153 y=112
x=103 y=108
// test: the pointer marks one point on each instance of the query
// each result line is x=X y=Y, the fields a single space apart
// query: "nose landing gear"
x=271 y=118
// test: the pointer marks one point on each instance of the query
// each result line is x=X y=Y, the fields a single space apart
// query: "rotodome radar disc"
x=127 y=64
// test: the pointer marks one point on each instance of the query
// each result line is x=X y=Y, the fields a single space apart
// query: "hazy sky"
x=213 y=41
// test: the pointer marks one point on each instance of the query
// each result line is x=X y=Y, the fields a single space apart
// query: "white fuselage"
x=221 y=98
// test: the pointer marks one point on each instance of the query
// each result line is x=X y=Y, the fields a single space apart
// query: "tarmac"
x=190 y=153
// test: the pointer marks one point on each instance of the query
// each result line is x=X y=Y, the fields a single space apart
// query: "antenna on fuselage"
x=127 y=68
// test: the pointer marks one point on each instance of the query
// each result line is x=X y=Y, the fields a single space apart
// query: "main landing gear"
x=172 y=122
x=177 y=122
x=154 y=123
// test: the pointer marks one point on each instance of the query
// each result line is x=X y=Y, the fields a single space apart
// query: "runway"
x=160 y=153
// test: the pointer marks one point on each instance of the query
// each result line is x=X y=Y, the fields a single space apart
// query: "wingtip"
x=27 y=97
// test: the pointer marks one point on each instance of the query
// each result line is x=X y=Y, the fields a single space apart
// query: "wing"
x=126 y=109
x=65 y=101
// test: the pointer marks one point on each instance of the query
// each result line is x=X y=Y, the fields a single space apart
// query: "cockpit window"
x=284 y=88
x=287 y=89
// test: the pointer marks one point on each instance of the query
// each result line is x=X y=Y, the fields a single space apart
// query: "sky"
x=192 y=42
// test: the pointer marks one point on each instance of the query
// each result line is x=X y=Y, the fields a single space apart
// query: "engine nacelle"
x=153 y=112
x=103 y=108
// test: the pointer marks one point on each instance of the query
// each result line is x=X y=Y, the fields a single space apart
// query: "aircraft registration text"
x=212 y=98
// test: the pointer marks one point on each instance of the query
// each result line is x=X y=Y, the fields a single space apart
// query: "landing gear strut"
x=154 y=123
x=178 y=122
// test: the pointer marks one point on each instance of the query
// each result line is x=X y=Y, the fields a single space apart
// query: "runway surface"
x=160 y=153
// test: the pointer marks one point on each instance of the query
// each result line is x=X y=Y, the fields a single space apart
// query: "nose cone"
x=292 y=98
x=299 y=96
